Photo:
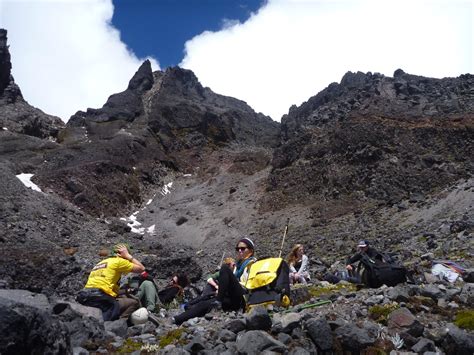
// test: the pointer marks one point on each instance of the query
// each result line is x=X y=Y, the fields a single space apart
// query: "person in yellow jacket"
x=101 y=290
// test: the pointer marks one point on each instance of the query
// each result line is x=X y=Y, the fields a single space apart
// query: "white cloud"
x=66 y=56
x=291 y=49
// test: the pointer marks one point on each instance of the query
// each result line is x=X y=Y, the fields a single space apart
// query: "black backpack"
x=383 y=269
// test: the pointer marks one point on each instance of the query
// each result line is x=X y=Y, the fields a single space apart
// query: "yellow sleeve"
x=124 y=266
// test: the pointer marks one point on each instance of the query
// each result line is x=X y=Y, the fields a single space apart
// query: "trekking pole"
x=284 y=236
x=222 y=260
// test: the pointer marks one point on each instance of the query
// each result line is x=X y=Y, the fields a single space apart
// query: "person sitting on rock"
x=232 y=282
x=101 y=289
x=174 y=289
x=363 y=248
x=144 y=288
x=201 y=305
x=212 y=285
x=299 y=265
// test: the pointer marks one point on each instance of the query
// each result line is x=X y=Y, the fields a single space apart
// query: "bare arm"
x=304 y=265
x=137 y=266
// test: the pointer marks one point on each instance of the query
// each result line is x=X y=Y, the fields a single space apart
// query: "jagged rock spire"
x=5 y=64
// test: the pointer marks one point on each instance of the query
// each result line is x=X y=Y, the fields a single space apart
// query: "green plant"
x=318 y=291
x=129 y=346
x=380 y=313
x=465 y=319
x=172 y=337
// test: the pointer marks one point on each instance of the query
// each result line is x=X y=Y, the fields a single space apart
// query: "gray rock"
x=458 y=341
x=256 y=341
x=236 y=325
x=36 y=300
x=258 y=319
x=423 y=345
x=84 y=324
x=467 y=294
x=286 y=322
x=25 y=329
x=197 y=344
x=284 y=338
x=432 y=291
x=79 y=351
x=468 y=275
x=226 y=335
x=398 y=294
x=320 y=333
x=353 y=338
x=298 y=351
x=373 y=300
x=118 y=327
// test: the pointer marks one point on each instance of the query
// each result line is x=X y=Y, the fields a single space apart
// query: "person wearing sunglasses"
x=231 y=282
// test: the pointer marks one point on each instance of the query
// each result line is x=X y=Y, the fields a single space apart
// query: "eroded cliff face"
x=375 y=138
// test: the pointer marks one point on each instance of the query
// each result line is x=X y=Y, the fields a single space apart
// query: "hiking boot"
x=154 y=319
x=216 y=305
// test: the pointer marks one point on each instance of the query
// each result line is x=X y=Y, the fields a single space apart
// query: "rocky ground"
x=181 y=173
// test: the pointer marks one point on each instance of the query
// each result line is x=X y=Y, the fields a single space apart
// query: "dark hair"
x=183 y=280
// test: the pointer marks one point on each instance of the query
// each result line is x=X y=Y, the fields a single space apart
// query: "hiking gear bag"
x=382 y=270
x=268 y=283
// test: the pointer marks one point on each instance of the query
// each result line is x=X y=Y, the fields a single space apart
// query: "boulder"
x=256 y=341
x=30 y=329
x=320 y=333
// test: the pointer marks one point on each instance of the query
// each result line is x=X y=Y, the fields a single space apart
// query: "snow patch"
x=26 y=180
x=186 y=175
x=134 y=224
x=5 y=128
x=165 y=190
x=151 y=229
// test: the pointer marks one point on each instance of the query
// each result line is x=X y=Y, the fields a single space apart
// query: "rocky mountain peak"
x=9 y=91
x=15 y=113
x=143 y=79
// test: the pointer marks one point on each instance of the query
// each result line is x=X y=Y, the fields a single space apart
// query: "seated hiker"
x=201 y=305
x=212 y=285
x=101 y=289
x=144 y=288
x=232 y=282
x=299 y=265
x=174 y=289
x=363 y=248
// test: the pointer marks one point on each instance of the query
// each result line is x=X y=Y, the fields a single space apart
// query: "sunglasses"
x=240 y=248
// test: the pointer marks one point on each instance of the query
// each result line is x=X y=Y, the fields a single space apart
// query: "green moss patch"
x=129 y=346
x=172 y=337
x=465 y=319
x=319 y=291
x=380 y=313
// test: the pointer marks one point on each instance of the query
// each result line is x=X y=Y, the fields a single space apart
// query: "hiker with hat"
x=363 y=248
x=102 y=287
x=230 y=280
x=203 y=304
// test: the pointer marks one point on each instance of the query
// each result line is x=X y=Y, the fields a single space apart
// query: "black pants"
x=93 y=297
x=230 y=291
x=198 y=309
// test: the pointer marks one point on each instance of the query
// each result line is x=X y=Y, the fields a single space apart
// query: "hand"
x=349 y=267
x=123 y=252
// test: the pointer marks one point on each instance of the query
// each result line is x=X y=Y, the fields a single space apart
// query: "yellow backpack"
x=268 y=283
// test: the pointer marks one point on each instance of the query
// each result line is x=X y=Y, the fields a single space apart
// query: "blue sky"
x=161 y=27
x=69 y=55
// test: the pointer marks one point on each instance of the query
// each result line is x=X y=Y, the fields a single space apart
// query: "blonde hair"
x=292 y=257
x=228 y=261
